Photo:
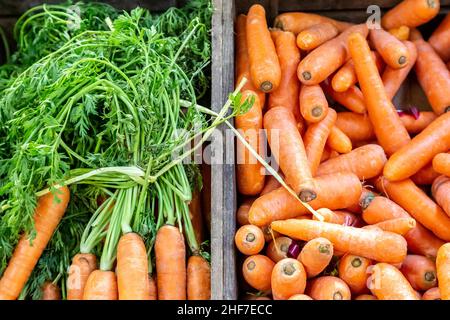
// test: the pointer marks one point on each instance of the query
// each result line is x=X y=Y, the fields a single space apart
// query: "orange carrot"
x=411 y=198
x=401 y=33
x=313 y=104
x=353 y=270
x=153 y=290
x=443 y=271
x=420 y=272
x=366 y=162
x=82 y=266
x=249 y=239
x=316 y=35
x=249 y=171
x=420 y=151
x=288 y=278
x=410 y=13
x=287 y=147
x=338 y=217
x=399 y=226
x=366 y=193
x=382 y=114
x=170 y=253
x=296 y=22
x=441 y=192
x=352 y=99
x=264 y=65
x=198 y=278
x=373 y=244
x=316 y=256
x=356 y=126
x=366 y=297
x=426 y=175
x=440 y=39
x=47 y=215
x=101 y=285
x=432 y=294
x=300 y=297
x=271 y=184
x=326 y=59
x=329 y=288
x=278 y=248
x=326 y=154
x=414 y=125
x=316 y=137
x=257 y=271
x=195 y=213
x=338 y=141
x=242 y=212
x=387 y=283
x=335 y=191
x=50 y=291
x=392 y=50
x=441 y=163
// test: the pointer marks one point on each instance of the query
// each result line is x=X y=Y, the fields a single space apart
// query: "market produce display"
x=359 y=209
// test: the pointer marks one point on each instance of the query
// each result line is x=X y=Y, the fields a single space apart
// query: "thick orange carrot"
x=440 y=39
x=47 y=215
x=420 y=151
x=366 y=162
x=242 y=212
x=316 y=35
x=316 y=137
x=338 y=141
x=432 y=294
x=152 y=287
x=441 y=192
x=411 y=198
x=426 y=175
x=80 y=269
x=443 y=271
x=329 y=288
x=249 y=171
x=249 y=239
x=336 y=191
x=257 y=271
x=441 y=163
x=352 y=99
x=271 y=184
x=373 y=244
x=264 y=65
x=326 y=59
x=50 y=291
x=132 y=268
x=353 y=270
x=410 y=13
x=420 y=272
x=366 y=297
x=296 y=22
x=392 y=50
x=287 y=147
x=316 y=256
x=382 y=114
x=278 y=248
x=198 y=278
x=195 y=213
x=313 y=103
x=300 y=297
x=170 y=253
x=433 y=76
x=288 y=278
x=387 y=283
x=399 y=226
x=101 y=285
x=401 y=33
x=356 y=126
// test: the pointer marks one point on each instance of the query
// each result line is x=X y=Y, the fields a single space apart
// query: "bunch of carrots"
x=360 y=206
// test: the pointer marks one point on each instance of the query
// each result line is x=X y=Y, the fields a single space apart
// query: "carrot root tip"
x=307 y=195
x=266 y=86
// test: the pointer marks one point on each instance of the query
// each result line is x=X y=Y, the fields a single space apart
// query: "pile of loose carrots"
x=360 y=207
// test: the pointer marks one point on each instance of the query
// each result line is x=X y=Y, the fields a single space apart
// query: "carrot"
x=433 y=76
x=249 y=239
x=352 y=99
x=382 y=114
x=392 y=50
x=278 y=248
x=242 y=212
x=373 y=244
x=356 y=126
x=357 y=207
x=50 y=291
x=264 y=65
x=300 y=297
x=198 y=278
x=411 y=198
x=242 y=63
x=271 y=184
x=329 y=288
x=316 y=35
x=313 y=104
x=316 y=256
x=288 y=278
x=287 y=147
x=440 y=39
x=335 y=191
x=326 y=154
x=338 y=141
x=80 y=269
x=441 y=163
x=101 y=285
x=401 y=33
x=152 y=288
x=326 y=59
x=399 y=226
x=195 y=213
x=432 y=294
x=338 y=217
x=289 y=56
x=387 y=283
x=257 y=271
x=410 y=13
x=47 y=215
x=315 y=139
x=170 y=253
x=296 y=22
x=353 y=270
x=420 y=151
x=443 y=271
x=414 y=125
x=366 y=162
x=441 y=192
x=366 y=297
x=420 y=271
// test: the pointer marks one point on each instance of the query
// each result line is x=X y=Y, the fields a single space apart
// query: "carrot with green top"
x=443 y=271
x=392 y=50
x=410 y=13
x=441 y=163
x=316 y=35
x=80 y=269
x=296 y=22
x=50 y=291
x=441 y=192
x=313 y=103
